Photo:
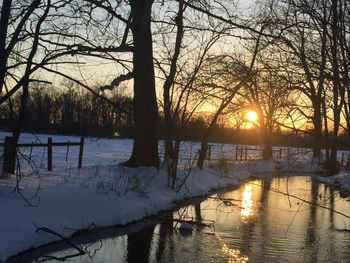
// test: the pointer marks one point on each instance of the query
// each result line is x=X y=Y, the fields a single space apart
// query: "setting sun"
x=252 y=116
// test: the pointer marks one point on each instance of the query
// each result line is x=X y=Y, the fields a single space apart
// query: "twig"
x=187 y=175
x=295 y=214
x=80 y=252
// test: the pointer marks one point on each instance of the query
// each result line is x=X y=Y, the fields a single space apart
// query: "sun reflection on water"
x=247 y=203
x=234 y=255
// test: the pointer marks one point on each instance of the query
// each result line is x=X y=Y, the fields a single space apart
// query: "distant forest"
x=68 y=110
x=71 y=110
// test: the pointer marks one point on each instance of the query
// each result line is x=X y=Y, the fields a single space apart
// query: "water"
x=255 y=223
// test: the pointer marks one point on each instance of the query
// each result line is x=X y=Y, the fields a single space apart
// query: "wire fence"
x=11 y=151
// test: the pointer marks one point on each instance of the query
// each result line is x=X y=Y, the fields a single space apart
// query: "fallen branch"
x=226 y=201
x=80 y=252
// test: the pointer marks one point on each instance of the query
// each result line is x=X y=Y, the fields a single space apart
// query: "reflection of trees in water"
x=197 y=209
x=310 y=233
x=331 y=206
x=85 y=244
x=266 y=186
x=256 y=235
x=139 y=245
x=150 y=244
x=164 y=245
x=165 y=230
x=264 y=238
x=311 y=226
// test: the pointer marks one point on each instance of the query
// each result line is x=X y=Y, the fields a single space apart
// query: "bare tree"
x=316 y=42
x=4 y=23
x=233 y=75
x=268 y=96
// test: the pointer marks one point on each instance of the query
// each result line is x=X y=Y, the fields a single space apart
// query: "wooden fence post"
x=241 y=153
x=81 y=149
x=9 y=159
x=245 y=153
x=67 y=152
x=280 y=153
x=49 y=154
x=236 y=153
x=209 y=152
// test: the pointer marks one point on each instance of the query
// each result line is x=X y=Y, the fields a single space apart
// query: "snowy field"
x=104 y=193
x=99 y=151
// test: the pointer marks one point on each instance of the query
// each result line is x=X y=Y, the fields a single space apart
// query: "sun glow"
x=234 y=255
x=247 y=203
x=252 y=116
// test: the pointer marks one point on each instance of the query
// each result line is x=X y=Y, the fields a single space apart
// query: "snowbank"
x=281 y=166
x=98 y=195
x=341 y=180
x=104 y=194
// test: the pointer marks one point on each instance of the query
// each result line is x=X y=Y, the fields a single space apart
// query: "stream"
x=275 y=219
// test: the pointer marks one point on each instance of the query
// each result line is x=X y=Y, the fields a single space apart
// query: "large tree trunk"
x=145 y=148
x=333 y=169
x=267 y=146
x=326 y=132
x=265 y=132
x=4 y=20
x=317 y=133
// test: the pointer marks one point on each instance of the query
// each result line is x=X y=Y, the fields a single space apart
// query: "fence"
x=9 y=156
x=345 y=159
x=244 y=153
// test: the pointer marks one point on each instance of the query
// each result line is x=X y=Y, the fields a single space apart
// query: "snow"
x=108 y=195
x=104 y=193
x=340 y=180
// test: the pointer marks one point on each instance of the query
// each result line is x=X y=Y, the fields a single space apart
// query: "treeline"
x=68 y=110
x=196 y=130
x=71 y=110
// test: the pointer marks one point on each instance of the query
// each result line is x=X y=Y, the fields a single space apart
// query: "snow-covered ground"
x=340 y=180
x=109 y=151
x=104 y=193
x=100 y=196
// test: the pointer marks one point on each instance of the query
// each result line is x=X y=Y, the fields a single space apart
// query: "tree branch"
x=116 y=82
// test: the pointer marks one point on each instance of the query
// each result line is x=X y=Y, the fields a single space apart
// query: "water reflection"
x=252 y=224
x=165 y=231
x=139 y=244
x=234 y=255
x=247 y=203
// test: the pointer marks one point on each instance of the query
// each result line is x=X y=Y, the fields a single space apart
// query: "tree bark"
x=170 y=156
x=332 y=169
x=267 y=146
x=4 y=20
x=317 y=133
x=145 y=148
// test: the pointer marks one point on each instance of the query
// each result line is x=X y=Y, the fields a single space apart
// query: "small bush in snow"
x=223 y=167
x=119 y=180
